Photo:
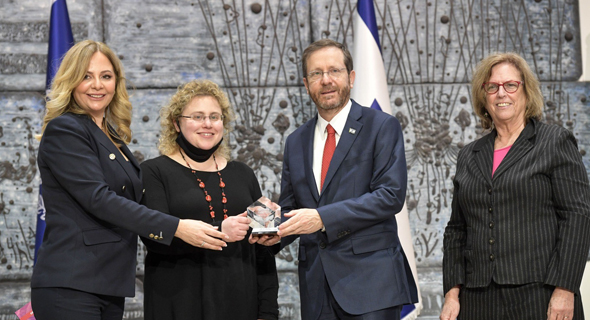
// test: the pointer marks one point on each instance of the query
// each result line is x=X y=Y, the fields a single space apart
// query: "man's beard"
x=343 y=94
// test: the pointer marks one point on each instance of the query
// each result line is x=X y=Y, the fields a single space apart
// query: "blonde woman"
x=91 y=188
x=194 y=178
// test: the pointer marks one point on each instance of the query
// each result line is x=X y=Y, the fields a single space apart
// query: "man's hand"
x=561 y=305
x=264 y=239
x=302 y=221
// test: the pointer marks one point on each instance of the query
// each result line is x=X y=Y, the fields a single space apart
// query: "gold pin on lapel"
x=351 y=131
x=112 y=156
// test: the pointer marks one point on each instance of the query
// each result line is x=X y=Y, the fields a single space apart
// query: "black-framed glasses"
x=509 y=86
x=199 y=117
x=333 y=73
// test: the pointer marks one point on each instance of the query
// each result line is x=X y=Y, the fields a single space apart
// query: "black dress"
x=186 y=282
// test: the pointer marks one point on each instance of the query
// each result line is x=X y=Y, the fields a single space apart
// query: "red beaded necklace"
x=202 y=186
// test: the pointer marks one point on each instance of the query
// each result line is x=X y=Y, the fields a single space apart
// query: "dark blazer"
x=529 y=223
x=359 y=255
x=93 y=218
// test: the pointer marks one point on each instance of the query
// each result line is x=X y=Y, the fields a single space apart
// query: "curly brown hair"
x=173 y=110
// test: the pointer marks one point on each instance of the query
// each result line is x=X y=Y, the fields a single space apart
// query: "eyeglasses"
x=199 y=117
x=333 y=73
x=509 y=86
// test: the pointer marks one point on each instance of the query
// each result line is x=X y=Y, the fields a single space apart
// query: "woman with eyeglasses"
x=194 y=178
x=516 y=244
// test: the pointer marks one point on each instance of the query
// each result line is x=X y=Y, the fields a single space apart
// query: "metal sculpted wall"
x=253 y=50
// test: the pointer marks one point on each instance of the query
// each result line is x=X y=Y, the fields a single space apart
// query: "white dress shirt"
x=320 y=136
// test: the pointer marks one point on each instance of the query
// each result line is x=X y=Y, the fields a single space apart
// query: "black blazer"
x=529 y=223
x=90 y=193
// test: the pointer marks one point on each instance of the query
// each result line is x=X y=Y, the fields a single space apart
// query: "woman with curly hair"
x=194 y=178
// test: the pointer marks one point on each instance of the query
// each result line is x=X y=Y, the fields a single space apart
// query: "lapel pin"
x=351 y=130
x=112 y=156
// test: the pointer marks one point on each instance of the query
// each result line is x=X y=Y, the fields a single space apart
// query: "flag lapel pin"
x=352 y=131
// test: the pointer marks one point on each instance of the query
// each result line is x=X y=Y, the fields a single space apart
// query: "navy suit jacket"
x=359 y=254
x=90 y=193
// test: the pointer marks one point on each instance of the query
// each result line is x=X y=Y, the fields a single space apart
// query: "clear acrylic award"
x=265 y=216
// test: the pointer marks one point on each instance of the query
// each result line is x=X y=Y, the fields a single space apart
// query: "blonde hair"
x=530 y=85
x=70 y=74
x=183 y=96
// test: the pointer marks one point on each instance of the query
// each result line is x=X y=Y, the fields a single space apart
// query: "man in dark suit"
x=351 y=263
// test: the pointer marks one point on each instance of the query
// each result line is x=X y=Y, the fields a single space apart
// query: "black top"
x=186 y=282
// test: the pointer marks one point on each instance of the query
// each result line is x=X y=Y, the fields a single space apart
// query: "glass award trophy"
x=265 y=216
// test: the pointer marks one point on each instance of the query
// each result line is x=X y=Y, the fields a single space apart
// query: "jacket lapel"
x=519 y=149
x=483 y=154
x=307 y=137
x=351 y=131
x=135 y=178
x=116 y=156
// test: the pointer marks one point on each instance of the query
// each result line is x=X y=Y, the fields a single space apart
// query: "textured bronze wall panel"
x=442 y=40
x=253 y=49
x=234 y=43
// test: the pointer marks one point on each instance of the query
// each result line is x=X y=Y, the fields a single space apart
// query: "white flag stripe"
x=370 y=83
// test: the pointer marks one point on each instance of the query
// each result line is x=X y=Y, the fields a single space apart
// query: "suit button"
x=123 y=188
x=491 y=224
x=151 y=235
x=492 y=257
x=490 y=190
x=492 y=241
x=143 y=191
x=322 y=245
x=490 y=209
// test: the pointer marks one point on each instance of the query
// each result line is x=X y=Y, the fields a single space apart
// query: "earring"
x=486 y=115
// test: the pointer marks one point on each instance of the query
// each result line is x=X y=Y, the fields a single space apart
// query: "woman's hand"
x=200 y=234
x=561 y=305
x=236 y=227
x=451 y=307
x=264 y=239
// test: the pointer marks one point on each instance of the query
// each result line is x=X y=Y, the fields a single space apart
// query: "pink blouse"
x=498 y=157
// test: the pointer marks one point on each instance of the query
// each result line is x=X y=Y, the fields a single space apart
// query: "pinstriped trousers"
x=514 y=302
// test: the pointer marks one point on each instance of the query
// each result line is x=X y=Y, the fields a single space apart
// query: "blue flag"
x=60 y=38
x=60 y=41
x=370 y=89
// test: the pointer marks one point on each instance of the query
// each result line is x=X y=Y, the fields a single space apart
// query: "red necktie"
x=329 y=148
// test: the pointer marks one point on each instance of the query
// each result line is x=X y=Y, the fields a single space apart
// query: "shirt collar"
x=338 y=122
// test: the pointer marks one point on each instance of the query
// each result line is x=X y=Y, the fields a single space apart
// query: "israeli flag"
x=60 y=41
x=60 y=38
x=370 y=89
